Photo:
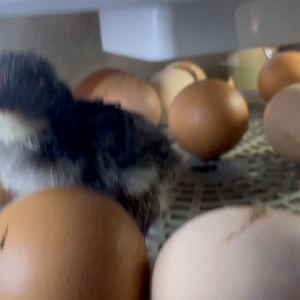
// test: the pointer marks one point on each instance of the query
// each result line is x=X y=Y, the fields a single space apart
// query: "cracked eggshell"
x=241 y=253
x=133 y=94
x=71 y=244
x=282 y=122
x=169 y=82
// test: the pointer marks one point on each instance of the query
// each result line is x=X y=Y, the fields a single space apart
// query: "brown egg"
x=208 y=118
x=280 y=71
x=133 y=94
x=231 y=254
x=282 y=122
x=172 y=80
x=86 y=88
x=71 y=244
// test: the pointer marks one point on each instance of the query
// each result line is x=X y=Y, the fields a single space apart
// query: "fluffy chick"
x=48 y=140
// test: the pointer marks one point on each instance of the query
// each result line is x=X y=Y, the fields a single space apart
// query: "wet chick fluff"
x=48 y=140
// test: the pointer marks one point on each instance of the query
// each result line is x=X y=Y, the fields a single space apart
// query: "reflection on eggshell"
x=231 y=254
x=169 y=82
x=282 y=122
x=208 y=118
x=280 y=71
x=71 y=244
x=133 y=94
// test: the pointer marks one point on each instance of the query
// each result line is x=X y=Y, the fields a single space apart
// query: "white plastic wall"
x=165 y=30
x=36 y=7
x=157 y=32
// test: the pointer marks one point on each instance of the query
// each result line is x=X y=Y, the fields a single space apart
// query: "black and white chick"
x=48 y=140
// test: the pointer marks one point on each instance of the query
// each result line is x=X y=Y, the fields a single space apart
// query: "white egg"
x=231 y=254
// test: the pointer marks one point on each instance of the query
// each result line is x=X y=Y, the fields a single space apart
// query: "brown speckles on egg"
x=259 y=261
x=251 y=217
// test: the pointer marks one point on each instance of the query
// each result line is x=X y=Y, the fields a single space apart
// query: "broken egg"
x=71 y=244
x=169 y=82
x=243 y=253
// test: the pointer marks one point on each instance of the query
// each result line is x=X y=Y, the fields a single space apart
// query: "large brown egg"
x=282 y=122
x=208 y=118
x=133 y=94
x=280 y=71
x=169 y=82
x=86 y=88
x=71 y=244
x=231 y=254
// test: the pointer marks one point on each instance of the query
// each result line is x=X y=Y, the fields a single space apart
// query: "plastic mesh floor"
x=251 y=174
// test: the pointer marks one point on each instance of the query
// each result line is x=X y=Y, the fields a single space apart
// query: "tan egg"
x=86 y=88
x=208 y=118
x=231 y=254
x=190 y=67
x=71 y=244
x=172 y=80
x=282 y=122
x=280 y=71
x=133 y=94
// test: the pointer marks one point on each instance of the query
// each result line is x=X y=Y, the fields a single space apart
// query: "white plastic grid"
x=249 y=174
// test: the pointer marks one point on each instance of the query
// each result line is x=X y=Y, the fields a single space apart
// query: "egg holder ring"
x=250 y=174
